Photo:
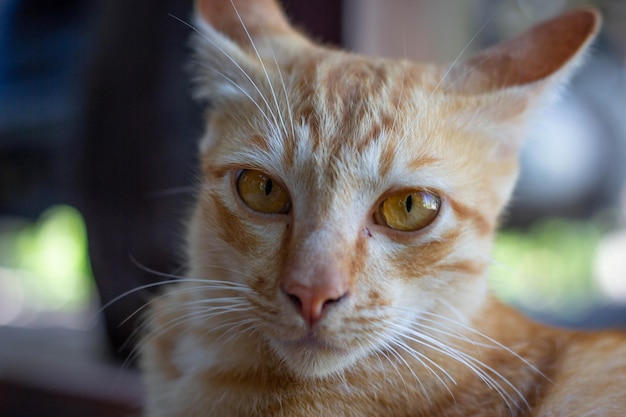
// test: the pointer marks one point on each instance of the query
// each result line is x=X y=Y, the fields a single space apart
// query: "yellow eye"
x=408 y=210
x=261 y=193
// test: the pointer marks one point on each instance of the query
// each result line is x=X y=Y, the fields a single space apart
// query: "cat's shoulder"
x=585 y=371
x=590 y=377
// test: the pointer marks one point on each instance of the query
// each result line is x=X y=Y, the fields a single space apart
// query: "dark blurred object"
x=140 y=146
x=42 y=58
x=320 y=19
x=17 y=401
x=54 y=372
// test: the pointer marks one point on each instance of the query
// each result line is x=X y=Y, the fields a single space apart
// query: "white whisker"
x=397 y=111
x=460 y=54
x=399 y=357
x=287 y=98
x=490 y=339
x=167 y=192
x=234 y=62
x=197 y=315
x=236 y=329
x=443 y=78
x=486 y=373
x=469 y=70
x=184 y=290
x=267 y=77
x=238 y=87
x=421 y=357
x=224 y=285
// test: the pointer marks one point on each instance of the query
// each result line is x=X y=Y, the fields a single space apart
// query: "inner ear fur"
x=547 y=49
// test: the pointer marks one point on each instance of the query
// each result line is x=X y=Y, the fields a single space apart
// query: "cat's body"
x=339 y=248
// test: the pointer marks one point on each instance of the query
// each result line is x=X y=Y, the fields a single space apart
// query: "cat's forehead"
x=335 y=116
x=354 y=96
x=349 y=100
x=372 y=115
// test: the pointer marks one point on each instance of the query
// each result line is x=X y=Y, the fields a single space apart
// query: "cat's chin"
x=310 y=358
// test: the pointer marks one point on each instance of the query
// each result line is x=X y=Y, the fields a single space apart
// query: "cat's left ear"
x=237 y=41
x=531 y=66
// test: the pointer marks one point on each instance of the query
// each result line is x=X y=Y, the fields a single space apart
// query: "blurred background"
x=97 y=162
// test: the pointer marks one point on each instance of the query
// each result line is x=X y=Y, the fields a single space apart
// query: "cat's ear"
x=236 y=42
x=244 y=20
x=531 y=65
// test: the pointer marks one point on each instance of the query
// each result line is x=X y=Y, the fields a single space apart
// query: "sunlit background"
x=97 y=138
x=45 y=279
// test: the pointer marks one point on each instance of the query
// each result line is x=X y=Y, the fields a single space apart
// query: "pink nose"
x=312 y=301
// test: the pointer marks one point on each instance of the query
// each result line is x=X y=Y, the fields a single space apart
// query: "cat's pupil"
x=409 y=203
x=268 y=187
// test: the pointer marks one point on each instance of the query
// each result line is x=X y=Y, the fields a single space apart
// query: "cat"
x=339 y=246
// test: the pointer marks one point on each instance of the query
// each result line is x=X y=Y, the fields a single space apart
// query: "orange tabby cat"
x=339 y=247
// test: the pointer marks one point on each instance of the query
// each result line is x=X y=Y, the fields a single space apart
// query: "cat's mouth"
x=313 y=343
x=312 y=356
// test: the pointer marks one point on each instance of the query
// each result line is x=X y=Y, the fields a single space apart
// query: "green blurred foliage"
x=50 y=258
x=547 y=268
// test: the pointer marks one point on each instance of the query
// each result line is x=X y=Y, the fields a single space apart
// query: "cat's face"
x=351 y=198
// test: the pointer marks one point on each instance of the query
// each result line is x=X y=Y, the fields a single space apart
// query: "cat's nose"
x=311 y=302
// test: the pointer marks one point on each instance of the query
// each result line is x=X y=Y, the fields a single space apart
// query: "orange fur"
x=325 y=311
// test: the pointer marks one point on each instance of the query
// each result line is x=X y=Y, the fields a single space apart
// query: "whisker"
x=267 y=77
x=249 y=323
x=491 y=340
x=232 y=60
x=524 y=8
x=460 y=54
x=129 y=292
x=395 y=117
x=171 y=324
x=469 y=70
x=168 y=192
x=460 y=316
x=181 y=278
x=419 y=355
x=448 y=331
x=396 y=354
x=478 y=367
x=397 y=111
x=183 y=290
x=486 y=373
x=221 y=283
x=287 y=97
x=225 y=285
x=409 y=129
x=238 y=87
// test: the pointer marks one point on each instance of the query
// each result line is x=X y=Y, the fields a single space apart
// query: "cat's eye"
x=261 y=193
x=408 y=210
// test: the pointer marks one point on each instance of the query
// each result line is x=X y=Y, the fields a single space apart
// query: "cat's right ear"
x=236 y=43
x=515 y=81
x=532 y=65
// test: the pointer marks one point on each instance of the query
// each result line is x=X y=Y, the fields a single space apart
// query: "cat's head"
x=356 y=196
